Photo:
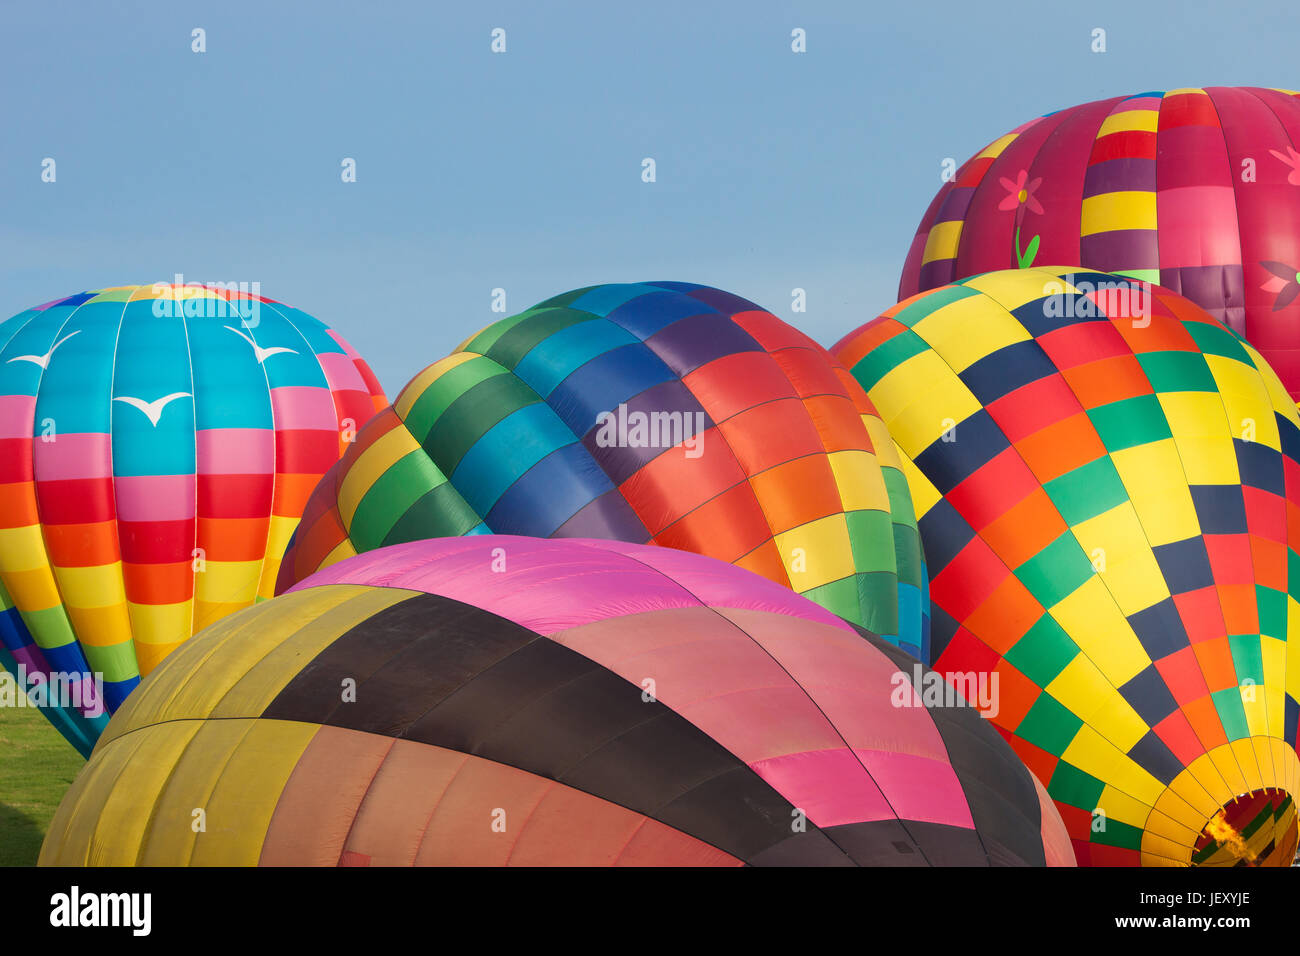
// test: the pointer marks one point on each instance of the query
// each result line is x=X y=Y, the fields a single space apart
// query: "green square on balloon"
x=1087 y=491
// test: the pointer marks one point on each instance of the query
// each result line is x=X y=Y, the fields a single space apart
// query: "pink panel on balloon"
x=235 y=451
x=73 y=456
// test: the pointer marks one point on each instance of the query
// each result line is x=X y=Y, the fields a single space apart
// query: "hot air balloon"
x=499 y=700
x=1107 y=481
x=658 y=412
x=157 y=446
x=1196 y=190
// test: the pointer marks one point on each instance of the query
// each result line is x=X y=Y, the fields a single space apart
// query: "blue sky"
x=522 y=170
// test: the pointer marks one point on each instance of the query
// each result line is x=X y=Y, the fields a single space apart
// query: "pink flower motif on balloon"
x=1021 y=192
x=1020 y=196
x=1285 y=282
x=1292 y=159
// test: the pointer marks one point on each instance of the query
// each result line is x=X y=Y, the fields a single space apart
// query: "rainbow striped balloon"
x=157 y=446
x=663 y=412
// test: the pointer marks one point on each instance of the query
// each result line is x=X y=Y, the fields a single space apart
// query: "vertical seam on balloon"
x=40 y=524
x=365 y=794
x=18 y=330
x=618 y=855
x=194 y=416
x=1282 y=126
x=275 y=445
x=437 y=802
x=146 y=831
x=250 y=722
x=1241 y=250
x=1268 y=109
x=1236 y=217
x=1183 y=467
x=552 y=783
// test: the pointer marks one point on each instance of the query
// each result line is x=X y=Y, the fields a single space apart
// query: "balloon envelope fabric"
x=658 y=412
x=1197 y=190
x=1107 y=486
x=497 y=700
x=157 y=446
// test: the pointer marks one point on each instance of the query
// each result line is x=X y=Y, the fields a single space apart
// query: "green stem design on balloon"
x=1026 y=258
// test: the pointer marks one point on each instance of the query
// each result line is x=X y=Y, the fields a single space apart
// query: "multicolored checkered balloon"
x=1108 y=489
x=1197 y=190
x=157 y=445
x=661 y=412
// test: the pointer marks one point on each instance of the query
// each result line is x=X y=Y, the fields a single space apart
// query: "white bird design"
x=261 y=353
x=44 y=360
x=152 y=410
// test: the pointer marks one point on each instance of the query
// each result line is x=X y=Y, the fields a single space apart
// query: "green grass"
x=36 y=767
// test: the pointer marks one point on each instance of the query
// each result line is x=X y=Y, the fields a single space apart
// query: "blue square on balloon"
x=647 y=314
x=604 y=383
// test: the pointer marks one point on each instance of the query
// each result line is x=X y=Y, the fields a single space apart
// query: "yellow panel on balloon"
x=1091 y=752
x=277 y=542
x=816 y=553
x=1277 y=393
x=1244 y=752
x=240 y=643
x=118 y=785
x=924 y=494
x=1109 y=212
x=101 y=626
x=1136 y=584
x=1128 y=567
x=1246 y=400
x=32 y=590
x=860 y=482
x=1161 y=499
x=234 y=770
x=1273 y=656
x=1092 y=619
x=1208 y=461
x=1226 y=763
x=161 y=623
x=882 y=443
x=1123 y=806
x=966 y=330
x=1195 y=413
x=994 y=149
x=942 y=241
x=1083 y=688
x=1017 y=287
x=1253 y=703
x=228 y=582
x=207 y=613
x=944 y=405
x=22 y=549
x=149 y=656
x=96 y=586
x=1293 y=647
x=1129 y=121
